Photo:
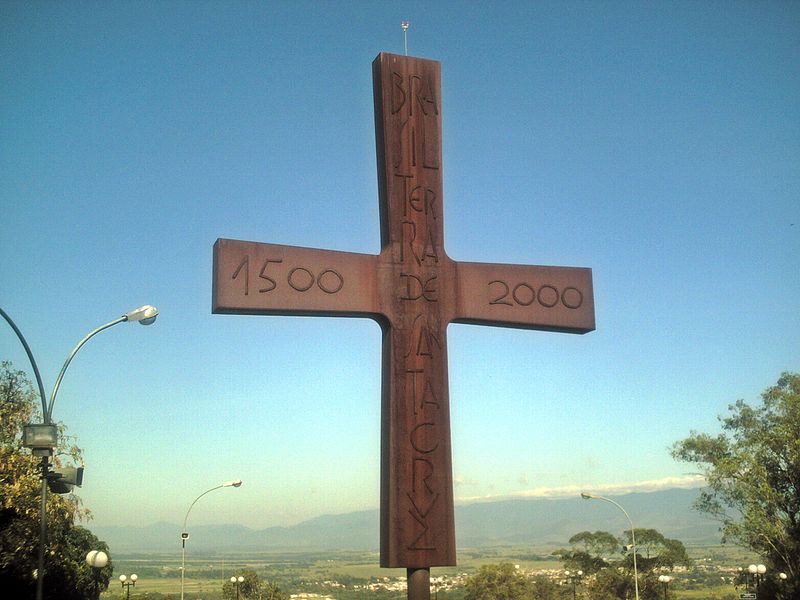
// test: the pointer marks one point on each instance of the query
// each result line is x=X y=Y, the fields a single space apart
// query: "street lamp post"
x=752 y=570
x=127 y=582
x=740 y=576
x=782 y=577
x=665 y=579
x=237 y=582
x=575 y=579
x=42 y=438
x=185 y=534
x=97 y=559
x=633 y=536
x=757 y=572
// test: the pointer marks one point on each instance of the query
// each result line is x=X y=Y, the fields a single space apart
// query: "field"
x=356 y=575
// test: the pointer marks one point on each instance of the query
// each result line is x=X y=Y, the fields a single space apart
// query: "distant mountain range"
x=524 y=521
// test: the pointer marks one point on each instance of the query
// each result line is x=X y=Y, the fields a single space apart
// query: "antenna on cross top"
x=405 y=25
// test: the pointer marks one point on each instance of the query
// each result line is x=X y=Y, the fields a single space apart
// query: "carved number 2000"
x=524 y=294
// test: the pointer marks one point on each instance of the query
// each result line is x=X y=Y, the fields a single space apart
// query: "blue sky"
x=657 y=143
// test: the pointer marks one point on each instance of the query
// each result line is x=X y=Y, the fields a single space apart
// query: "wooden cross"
x=413 y=290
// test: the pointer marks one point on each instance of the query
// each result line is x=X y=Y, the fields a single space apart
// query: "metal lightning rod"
x=405 y=25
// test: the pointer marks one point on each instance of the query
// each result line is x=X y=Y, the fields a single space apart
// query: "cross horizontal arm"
x=272 y=279
x=527 y=297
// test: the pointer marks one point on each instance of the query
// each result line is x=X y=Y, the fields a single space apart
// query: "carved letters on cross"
x=413 y=290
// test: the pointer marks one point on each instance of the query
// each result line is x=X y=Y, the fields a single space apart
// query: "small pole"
x=405 y=25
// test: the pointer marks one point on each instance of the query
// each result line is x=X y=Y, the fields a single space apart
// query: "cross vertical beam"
x=416 y=292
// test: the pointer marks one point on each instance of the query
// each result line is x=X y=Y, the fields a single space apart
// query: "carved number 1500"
x=300 y=279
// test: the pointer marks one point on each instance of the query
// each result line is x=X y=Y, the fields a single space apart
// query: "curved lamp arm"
x=145 y=315
x=234 y=483
x=72 y=354
x=21 y=337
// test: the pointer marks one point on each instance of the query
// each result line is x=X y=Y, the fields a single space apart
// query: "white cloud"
x=611 y=489
x=460 y=480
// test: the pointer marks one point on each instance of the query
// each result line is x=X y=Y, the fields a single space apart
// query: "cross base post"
x=419 y=583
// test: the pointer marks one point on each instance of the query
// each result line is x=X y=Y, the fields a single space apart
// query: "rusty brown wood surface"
x=414 y=290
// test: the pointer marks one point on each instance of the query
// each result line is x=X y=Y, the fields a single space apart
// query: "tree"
x=20 y=505
x=498 y=582
x=70 y=575
x=592 y=553
x=654 y=551
x=752 y=470
x=600 y=543
x=610 y=584
x=615 y=583
x=270 y=591
x=589 y=551
x=545 y=588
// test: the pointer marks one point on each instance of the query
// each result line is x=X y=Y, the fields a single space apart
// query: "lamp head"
x=146 y=315
x=97 y=559
x=586 y=496
x=752 y=569
x=234 y=483
x=761 y=569
x=40 y=437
